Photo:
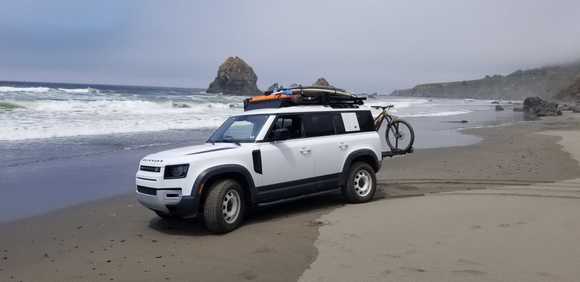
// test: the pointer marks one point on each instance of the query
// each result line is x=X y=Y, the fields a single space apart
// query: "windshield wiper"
x=229 y=139
x=233 y=141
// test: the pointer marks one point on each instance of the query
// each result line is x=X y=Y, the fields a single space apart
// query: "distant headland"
x=561 y=82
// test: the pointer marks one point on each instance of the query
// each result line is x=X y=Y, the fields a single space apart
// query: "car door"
x=287 y=165
x=328 y=148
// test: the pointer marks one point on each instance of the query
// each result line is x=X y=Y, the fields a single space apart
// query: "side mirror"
x=280 y=134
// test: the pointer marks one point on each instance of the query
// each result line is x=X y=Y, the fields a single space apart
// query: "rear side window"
x=355 y=122
x=366 y=121
x=319 y=124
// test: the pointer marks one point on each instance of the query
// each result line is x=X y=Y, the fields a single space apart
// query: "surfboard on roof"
x=303 y=95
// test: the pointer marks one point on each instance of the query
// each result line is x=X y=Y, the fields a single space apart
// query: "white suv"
x=264 y=157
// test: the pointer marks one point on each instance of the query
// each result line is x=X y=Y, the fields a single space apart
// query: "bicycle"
x=400 y=135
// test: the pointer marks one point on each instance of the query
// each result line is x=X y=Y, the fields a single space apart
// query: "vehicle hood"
x=191 y=151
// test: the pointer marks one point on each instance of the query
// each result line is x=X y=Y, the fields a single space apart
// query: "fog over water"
x=359 y=45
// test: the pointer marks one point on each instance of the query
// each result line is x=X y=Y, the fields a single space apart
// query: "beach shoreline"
x=117 y=239
x=67 y=171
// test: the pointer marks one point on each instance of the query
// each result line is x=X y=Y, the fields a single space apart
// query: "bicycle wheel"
x=400 y=136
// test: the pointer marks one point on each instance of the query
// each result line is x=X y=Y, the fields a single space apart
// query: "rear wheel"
x=400 y=136
x=224 y=206
x=361 y=183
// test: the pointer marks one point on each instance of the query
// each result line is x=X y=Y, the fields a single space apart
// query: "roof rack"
x=328 y=89
x=304 y=96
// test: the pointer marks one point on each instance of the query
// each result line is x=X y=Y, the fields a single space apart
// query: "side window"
x=366 y=121
x=291 y=122
x=319 y=124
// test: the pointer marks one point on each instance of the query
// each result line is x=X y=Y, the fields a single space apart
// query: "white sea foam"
x=47 y=118
x=24 y=89
x=77 y=90
x=437 y=114
x=398 y=103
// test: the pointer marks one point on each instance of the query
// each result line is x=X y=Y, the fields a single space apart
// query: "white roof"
x=302 y=109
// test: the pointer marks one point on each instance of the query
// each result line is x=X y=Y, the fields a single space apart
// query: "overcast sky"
x=359 y=45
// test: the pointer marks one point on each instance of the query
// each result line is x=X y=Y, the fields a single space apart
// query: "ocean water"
x=43 y=111
x=47 y=111
x=65 y=144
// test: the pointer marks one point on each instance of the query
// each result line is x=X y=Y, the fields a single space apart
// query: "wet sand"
x=507 y=232
x=116 y=239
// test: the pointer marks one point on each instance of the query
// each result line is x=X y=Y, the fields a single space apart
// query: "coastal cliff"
x=545 y=82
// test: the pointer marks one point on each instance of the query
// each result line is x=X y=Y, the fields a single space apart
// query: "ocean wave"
x=139 y=107
x=104 y=127
x=437 y=114
x=399 y=103
x=24 y=89
x=78 y=90
x=63 y=118
x=46 y=90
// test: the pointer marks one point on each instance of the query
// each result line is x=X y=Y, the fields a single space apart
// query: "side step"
x=300 y=197
x=397 y=152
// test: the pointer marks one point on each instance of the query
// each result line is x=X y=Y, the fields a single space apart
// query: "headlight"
x=176 y=171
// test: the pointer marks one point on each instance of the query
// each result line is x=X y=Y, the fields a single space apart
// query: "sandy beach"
x=505 y=209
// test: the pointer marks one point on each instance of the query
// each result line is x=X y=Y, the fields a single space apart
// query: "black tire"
x=353 y=188
x=400 y=130
x=166 y=215
x=216 y=219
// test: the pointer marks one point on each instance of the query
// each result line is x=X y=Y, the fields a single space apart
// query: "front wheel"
x=361 y=183
x=400 y=136
x=224 y=206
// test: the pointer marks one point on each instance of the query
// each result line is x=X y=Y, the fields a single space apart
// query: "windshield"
x=239 y=129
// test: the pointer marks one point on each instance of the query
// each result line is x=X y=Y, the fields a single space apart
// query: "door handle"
x=305 y=151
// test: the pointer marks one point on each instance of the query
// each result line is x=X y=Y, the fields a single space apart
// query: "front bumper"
x=169 y=201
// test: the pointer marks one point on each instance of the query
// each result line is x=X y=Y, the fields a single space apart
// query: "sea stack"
x=322 y=82
x=235 y=77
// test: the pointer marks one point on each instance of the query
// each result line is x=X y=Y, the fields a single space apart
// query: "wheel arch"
x=210 y=175
x=363 y=155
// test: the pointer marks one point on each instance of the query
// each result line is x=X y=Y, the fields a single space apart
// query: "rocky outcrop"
x=544 y=82
x=274 y=87
x=322 y=82
x=235 y=77
x=537 y=107
x=566 y=108
x=319 y=82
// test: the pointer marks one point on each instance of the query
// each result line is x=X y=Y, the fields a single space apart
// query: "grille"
x=150 y=168
x=147 y=190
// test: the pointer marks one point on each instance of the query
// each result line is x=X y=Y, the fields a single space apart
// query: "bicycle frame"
x=384 y=115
